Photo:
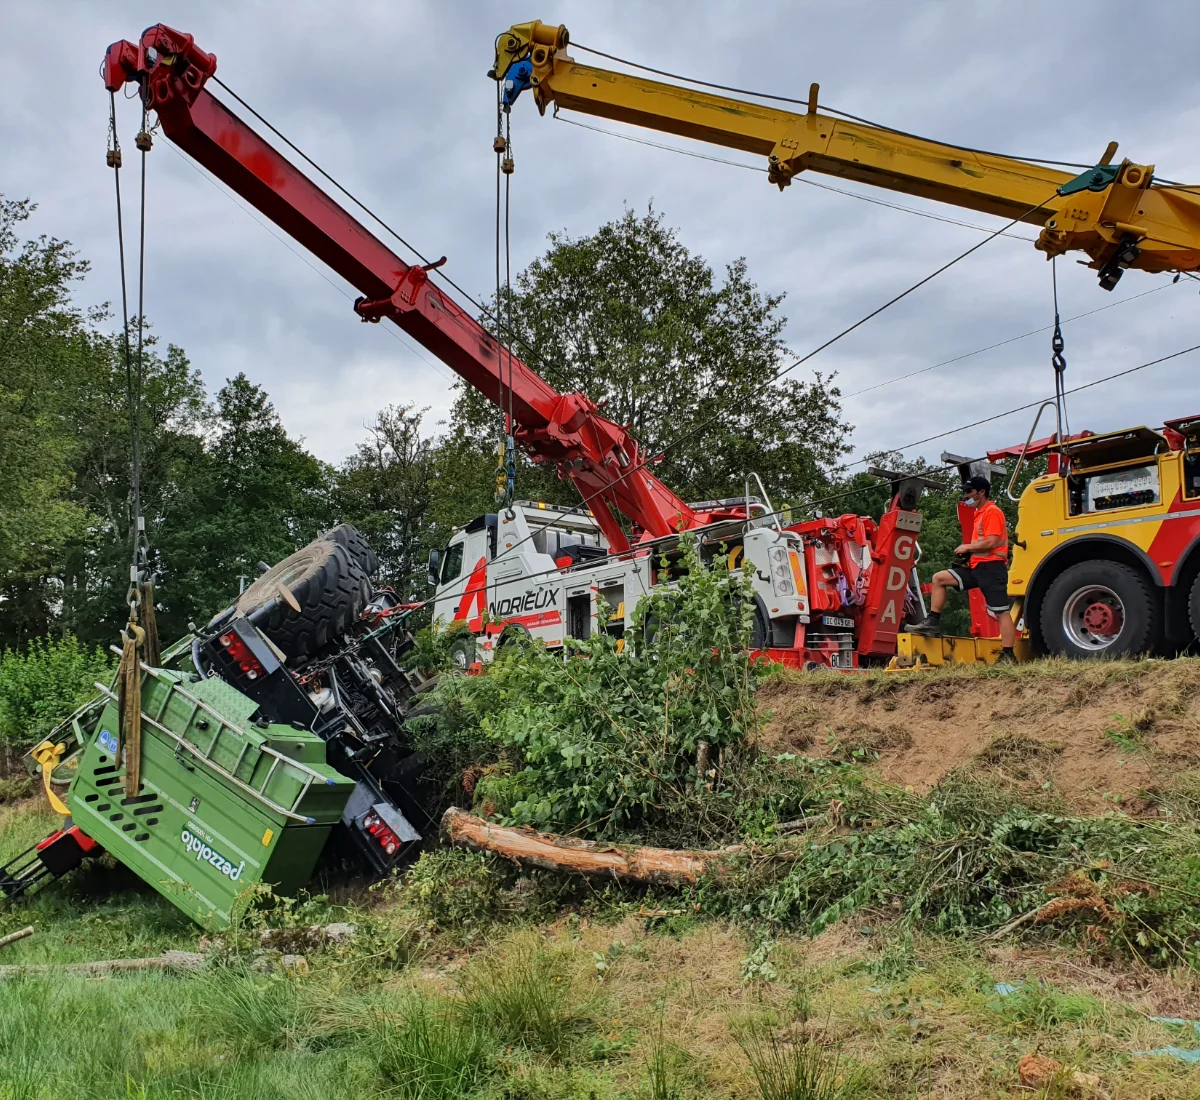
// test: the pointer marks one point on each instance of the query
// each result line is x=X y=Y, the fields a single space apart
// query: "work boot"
x=930 y=626
x=1006 y=657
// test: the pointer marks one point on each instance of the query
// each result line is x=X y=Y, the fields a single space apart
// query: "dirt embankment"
x=1103 y=735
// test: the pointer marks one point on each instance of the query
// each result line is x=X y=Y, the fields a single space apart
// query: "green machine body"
x=224 y=802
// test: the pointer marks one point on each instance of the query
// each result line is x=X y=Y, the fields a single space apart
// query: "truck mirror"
x=433 y=566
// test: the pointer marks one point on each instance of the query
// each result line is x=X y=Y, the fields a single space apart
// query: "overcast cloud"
x=392 y=98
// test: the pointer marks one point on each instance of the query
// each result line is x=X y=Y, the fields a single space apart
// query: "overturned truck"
x=271 y=738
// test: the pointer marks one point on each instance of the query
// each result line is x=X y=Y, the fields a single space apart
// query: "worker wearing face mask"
x=981 y=563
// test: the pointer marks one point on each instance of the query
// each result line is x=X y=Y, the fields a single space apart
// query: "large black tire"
x=463 y=652
x=330 y=587
x=1194 y=608
x=349 y=536
x=1100 y=609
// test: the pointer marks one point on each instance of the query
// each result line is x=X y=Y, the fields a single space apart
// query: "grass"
x=857 y=1012
x=795 y=1069
x=472 y=981
x=433 y=1054
x=524 y=996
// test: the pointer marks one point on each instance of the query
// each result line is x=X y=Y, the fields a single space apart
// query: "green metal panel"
x=223 y=803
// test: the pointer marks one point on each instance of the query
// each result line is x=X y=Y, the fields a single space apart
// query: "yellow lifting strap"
x=153 y=648
x=129 y=702
x=48 y=754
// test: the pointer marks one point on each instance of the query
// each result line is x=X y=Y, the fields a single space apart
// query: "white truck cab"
x=537 y=571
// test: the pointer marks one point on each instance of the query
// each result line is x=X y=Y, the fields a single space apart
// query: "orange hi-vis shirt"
x=991 y=521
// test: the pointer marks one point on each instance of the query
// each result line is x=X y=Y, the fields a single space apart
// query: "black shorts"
x=991 y=578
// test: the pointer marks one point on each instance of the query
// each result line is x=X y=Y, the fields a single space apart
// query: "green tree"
x=630 y=317
x=384 y=488
x=46 y=355
x=252 y=494
x=39 y=686
x=94 y=575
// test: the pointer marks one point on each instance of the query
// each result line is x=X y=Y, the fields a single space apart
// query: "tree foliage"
x=388 y=486
x=41 y=685
x=46 y=352
x=633 y=319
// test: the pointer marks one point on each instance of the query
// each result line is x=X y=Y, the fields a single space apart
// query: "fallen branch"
x=168 y=960
x=12 y=937
x=566 y=855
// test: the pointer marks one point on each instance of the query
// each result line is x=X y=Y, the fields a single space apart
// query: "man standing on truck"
x=981 y=563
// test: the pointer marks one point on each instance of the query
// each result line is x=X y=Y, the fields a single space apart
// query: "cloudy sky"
x=392 y=99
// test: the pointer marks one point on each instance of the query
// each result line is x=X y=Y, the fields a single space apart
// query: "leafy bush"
x=41 y=685
x=449 y=735
x=454 y=888
x=608 y=740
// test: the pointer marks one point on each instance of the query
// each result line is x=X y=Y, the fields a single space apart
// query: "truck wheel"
x=462 y=652
x=330 y=588
x=760 y=629
x=514 y=638
x=1099 y=609
x=349 y=536
x=1194 y=608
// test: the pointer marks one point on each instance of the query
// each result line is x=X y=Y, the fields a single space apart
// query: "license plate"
x=843 y=622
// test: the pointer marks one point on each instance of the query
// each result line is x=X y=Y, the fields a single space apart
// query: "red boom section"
x=566 y=429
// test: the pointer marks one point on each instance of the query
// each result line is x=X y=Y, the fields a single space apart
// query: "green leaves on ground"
x=610 y=741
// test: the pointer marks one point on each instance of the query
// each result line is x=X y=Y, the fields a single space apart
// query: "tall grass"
x=432 y=1053
x=523 y=997
x=796 y=1070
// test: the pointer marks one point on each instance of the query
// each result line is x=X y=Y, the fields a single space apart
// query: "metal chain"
x=506 y=471
x=1057 y=359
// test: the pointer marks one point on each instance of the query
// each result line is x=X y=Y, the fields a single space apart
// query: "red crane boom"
x=566 y=429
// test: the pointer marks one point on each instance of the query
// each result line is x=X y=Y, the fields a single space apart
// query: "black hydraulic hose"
x=196 y=660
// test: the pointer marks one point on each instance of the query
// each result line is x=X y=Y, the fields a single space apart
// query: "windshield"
x=452 y=562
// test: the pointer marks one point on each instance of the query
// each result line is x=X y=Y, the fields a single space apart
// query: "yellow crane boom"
x=1115 y=212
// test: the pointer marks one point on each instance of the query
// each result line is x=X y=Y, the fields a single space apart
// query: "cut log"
x=168 y=960
x=566 y=855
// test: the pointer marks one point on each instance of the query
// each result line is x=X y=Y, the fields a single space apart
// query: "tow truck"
x=828 y=591
x=279 y=727
x=1106 y=558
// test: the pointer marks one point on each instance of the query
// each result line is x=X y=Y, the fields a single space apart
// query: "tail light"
x=242 y=657
x=384 y=836
x=781 y=572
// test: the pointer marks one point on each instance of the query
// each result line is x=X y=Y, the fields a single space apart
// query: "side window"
x=452 y=562
x=1191 y=475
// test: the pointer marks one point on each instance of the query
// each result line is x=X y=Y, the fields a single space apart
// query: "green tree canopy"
x=47 y=353
x=386 y=487
x=633 y=319
x=251 y=494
